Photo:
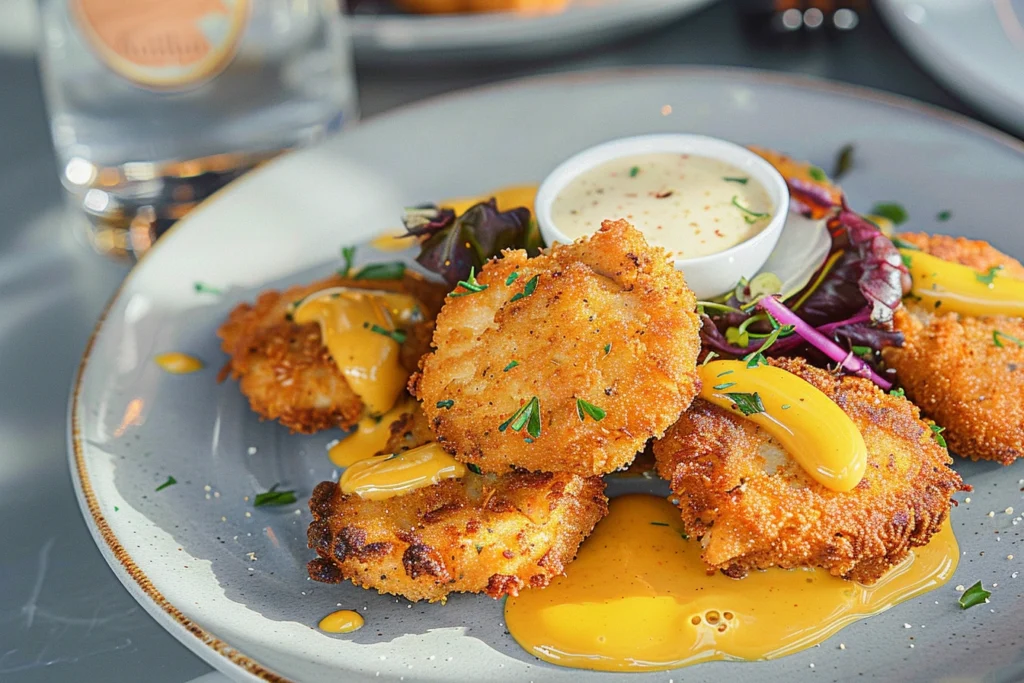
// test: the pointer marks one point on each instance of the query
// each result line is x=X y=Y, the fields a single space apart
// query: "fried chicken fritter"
x=285 y=370
x=951 y=366
x=607 y=320
x=754 y=507
x=480 y=534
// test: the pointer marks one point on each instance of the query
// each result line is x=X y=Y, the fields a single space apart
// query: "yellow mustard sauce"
x=945 y=286
x=178 y=363
x=386 y=476
x=342 y=621
x=815 y=432
x=638 y=598
x=507 y=198
x=368 y=438
x=392 y=241
x=359 y=330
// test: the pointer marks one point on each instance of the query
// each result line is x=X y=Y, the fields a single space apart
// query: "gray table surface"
x=63 y=614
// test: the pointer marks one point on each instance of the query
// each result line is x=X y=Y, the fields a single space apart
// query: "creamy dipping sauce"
x=690 y=205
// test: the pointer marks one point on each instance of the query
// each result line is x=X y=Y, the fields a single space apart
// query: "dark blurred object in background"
x=153 y=106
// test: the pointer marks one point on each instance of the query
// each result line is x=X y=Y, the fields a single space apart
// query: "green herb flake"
x=446 y=404
x=479 y=549
x=607 y=348
x=989 y=277
x=862 y=351
x=844 y=161
x=584 y=408
x=274 y=497
x=975 y=595
x=634 y=171
x=393 y=270
x=748 y=404
x=203 y=288
x=708 y=358
x=741 y=181
x=996 y=335
x=937 y=433
x=470 y=284
x=171 y=481
x=512 y=278
x=817 y=174
x=944 y=215
x=723 y=387
x=891 y=210
x=757 y=357
x=528 y=415
x=660 y=524
x=531 y=286
x=751 y=216
x=116 y=508
x=348 y=256
x=511 y=365
x=475 y=469
x=786 y=406
x=396 y=335
x=723 y=374
x=903 y=244
x=905 y=258
x=898 y=393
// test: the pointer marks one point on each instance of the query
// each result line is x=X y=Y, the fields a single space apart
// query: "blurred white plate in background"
x=973 y=47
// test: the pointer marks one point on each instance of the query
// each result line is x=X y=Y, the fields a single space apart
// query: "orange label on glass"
x=163 y=43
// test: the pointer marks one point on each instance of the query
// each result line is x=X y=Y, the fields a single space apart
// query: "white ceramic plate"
x=974 y=47
x=184 y=552
x=503 y=35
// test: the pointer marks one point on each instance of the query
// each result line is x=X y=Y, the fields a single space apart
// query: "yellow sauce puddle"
x=507 y=198
x=359 y=328
x=385 y=476
x=342 y=621
x=638 y=598
x=944 y=286
x=178 y=363
x=392 y=241
x=369 y=437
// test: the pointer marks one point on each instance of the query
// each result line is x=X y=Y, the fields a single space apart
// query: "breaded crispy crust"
x=951 y=367
x=610 y=321
x=480 y=534
x=754 y=507
x=284 y=369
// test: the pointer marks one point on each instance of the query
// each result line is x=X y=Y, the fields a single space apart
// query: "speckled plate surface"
x=229 y=579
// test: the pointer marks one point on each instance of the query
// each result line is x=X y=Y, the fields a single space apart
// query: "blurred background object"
x=156 y=105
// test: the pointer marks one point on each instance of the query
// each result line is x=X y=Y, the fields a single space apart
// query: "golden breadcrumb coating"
x=611 y=321
x=285 y=370
x=951 y=367
x=479 y=534
x=754 y=507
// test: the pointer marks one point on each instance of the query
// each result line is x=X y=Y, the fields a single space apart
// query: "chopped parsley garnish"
x=470 y=285
x=708 y=358
x=634 y=171
x=475 y=469
x=898 y=393
x=903 y=244
x=171 y=481
x=447 y=403
x=996 y=334
x=989 y=277
x=393 y=270
x=274 y=497
x=751 y=216
x=531 y=285
x=512 y=278
x=975 y=595
x=348 y=255
x=741 y=181
x=757 y=357
x=937 y=433
x=510 y=366
x=660 y=524
x=204 y=288
x=844 y=161
x=723 y=387
x=817 y=174
x=584 y=408
x=786 y=406
x=748 y=404
x=861 y=350
x=607 y=348
x=944 y=215
x=891 y=210
x=396 y=335
x=527 y=416
x=723 y=374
